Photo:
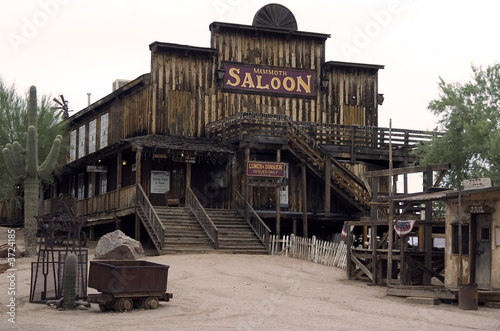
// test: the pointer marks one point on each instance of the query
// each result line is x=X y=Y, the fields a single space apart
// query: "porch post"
x=245 y=187
x=328 y=165
x=119 y=166
x=138 y=153
x=304 y=201
x=277 y=193
x=188 y=180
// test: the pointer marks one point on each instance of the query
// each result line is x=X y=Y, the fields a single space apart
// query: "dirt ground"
x=244 y=292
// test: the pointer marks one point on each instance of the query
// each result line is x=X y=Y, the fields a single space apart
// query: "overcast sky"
x=79 y=47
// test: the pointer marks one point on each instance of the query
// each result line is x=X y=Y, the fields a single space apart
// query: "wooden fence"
x=310 y=249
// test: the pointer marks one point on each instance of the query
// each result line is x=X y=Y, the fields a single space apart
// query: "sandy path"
x=245 y=292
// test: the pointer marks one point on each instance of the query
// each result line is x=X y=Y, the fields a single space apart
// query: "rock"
x=118 y=246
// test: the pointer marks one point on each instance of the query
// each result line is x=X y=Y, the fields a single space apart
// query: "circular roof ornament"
x=275 y=16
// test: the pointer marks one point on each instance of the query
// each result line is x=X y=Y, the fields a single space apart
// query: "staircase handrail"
x=154 y=226
x=201 y=215
x=253 y=219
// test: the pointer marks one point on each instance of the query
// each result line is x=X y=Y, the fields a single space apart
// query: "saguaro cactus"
x=69 y=281
x=27 y=170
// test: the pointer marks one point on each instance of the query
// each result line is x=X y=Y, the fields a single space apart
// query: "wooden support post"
x=373 y=208
x=365 y=236
x=138 y=171
x=374 y=245
x=348 y=255
x=402 y=262
x=304 y=201
x=328 y=165
x=294 y=226
x=92 y=233
x=188 y=180
x=277 y=198
x=137 y=228
x=428 y=228
x=119 y=176
x=92 y=185
x=246 y=187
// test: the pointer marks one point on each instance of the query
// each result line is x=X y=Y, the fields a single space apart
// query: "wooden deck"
x=349 y=142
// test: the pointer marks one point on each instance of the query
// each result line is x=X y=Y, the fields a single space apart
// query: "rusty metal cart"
x=128 y=284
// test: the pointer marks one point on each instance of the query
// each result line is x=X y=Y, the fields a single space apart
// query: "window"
x=72 y=146
x=455 y=239
x=81 y=142
x=89 y=190
x=92 y=136
x=104 y=131
x=103 y=180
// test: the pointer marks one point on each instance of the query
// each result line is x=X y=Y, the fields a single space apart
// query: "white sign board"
x=477 y=183
x=160 y=182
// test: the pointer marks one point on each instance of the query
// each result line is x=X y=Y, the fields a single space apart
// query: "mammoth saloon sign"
x=258 y=79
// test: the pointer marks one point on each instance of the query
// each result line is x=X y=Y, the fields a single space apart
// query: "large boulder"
x=117 y=245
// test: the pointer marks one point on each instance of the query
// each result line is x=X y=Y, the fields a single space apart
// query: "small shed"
x=472 y=254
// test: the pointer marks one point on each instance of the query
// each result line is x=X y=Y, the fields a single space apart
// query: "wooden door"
x=483 y=251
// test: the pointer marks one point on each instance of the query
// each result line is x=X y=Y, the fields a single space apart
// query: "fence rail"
x=310 y=249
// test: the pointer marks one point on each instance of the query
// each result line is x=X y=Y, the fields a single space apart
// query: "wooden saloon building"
x=258 y=122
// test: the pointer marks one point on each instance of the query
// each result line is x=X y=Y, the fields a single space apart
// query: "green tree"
x=469 y=117
x=15 y=119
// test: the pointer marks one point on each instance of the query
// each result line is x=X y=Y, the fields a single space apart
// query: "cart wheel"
x=123 y=304
x=151 y=303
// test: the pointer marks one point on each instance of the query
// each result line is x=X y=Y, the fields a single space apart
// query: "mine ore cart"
x=128 y=284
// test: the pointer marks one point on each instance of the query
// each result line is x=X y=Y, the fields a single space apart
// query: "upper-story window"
x=72 y=146
x=92 y=136
x=81 y=141
x=104 y=130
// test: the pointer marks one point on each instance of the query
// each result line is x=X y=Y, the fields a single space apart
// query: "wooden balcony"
x=108 y=203
x=347 y=142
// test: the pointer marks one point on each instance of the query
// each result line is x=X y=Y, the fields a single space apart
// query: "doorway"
x=482 y=254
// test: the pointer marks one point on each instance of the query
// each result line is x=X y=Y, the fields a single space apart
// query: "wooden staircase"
x=346 y=184
x=184 y=234
x=235 y=235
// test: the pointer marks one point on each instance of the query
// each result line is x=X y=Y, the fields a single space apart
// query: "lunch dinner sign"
x=257 y=79
x=265 y=169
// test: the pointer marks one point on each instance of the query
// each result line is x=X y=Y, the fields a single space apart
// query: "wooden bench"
x=172 y=200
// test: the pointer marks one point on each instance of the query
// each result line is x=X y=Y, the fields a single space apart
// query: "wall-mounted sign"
x=265 y=169
x=160 y=182
x=476 y=183
x=258 y=79
x=93 y=168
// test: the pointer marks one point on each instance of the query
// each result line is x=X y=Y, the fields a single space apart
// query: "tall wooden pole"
x=328 y=164
x=391 y=212
x=278 y=209
x=304 y=201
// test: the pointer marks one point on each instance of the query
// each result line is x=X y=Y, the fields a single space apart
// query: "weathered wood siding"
x=129 y=116
x=182 y=90
x=352 y=95
x=269 y=49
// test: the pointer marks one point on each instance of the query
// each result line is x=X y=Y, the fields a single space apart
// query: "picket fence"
x=310 y=249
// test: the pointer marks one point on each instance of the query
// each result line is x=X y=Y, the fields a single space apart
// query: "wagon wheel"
x=123 y=304
x=151 y=303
